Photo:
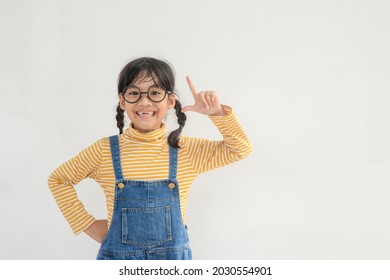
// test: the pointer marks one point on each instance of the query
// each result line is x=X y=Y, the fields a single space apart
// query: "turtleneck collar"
x=156 y=135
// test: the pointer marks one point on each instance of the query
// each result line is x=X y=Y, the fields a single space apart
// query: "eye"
x=155 y=93
x=131 y=92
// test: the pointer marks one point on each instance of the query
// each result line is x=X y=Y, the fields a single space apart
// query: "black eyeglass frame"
x=145 y=92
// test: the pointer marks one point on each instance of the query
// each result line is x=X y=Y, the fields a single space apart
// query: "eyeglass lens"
x=155 y=93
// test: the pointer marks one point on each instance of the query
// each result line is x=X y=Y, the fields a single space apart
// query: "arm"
x=61 y=184
x=205 y=154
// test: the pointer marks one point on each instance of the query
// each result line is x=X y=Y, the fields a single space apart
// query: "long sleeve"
x=206 y=155
x=62 y=180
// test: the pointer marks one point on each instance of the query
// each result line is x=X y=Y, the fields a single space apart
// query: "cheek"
x=129 y=110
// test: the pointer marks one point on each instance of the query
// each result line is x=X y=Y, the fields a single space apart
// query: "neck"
x=132 y=133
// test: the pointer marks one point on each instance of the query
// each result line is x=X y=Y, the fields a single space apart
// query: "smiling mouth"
x=146 y=114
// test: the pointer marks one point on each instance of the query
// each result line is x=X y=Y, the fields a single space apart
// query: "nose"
x=144 y=100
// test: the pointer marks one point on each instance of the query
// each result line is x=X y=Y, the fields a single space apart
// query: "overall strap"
x=116 y=157
x=172 y=162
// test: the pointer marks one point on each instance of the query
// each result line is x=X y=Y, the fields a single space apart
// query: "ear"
x=171 y=101
x=122 y=102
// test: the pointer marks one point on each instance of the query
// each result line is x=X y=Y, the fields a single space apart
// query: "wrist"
x=221 y=112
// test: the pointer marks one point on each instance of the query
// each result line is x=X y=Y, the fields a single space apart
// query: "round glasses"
x=156 y=93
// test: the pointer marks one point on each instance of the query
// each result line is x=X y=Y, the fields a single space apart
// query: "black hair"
x=165 y=74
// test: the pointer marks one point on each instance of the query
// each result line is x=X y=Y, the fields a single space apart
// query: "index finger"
x=192 y=87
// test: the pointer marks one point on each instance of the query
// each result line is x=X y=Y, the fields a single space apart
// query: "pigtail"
x=173 y=138
x=120 y=117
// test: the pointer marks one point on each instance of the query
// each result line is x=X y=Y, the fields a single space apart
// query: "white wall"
x=308 y=80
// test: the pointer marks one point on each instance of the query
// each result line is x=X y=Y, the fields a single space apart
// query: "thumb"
x=188 y=108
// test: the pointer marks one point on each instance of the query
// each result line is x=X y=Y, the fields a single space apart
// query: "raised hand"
x=206 y=102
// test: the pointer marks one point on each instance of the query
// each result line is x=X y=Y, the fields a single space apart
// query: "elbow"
x=245 y=151
x=52 y=180
x=250 y=149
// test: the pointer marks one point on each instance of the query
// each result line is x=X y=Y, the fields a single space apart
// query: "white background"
x=308 y=80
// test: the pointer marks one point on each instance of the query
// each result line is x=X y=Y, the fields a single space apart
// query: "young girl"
x=145 y=174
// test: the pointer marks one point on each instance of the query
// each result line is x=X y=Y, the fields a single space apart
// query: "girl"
x=145 y=175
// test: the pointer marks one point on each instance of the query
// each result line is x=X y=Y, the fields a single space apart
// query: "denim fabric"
x=147 y=222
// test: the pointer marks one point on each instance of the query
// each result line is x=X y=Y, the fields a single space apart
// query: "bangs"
x=161 y=73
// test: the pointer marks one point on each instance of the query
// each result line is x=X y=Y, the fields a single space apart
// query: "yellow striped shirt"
x=144 y=156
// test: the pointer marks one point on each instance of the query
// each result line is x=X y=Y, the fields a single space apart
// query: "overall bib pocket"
x=146 y=227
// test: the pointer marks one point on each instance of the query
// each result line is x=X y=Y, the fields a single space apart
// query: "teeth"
x=145 y=113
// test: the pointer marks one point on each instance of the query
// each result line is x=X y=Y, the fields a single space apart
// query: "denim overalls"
x=146 y=222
